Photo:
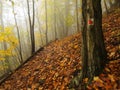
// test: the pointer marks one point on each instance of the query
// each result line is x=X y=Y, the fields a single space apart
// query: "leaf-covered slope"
x=54 y=66
x=51 y=68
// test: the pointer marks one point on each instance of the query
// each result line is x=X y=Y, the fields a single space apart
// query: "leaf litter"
x=54 y=66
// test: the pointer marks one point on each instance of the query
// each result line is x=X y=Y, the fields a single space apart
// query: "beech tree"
x=93 y=48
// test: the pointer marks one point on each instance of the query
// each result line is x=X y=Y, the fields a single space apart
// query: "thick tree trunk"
x=93 y=48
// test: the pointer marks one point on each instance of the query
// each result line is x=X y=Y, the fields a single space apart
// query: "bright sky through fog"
x=20 y=5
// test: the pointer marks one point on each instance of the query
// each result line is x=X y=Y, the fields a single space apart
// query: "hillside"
x=56 y=64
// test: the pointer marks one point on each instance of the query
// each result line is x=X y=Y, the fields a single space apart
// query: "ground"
x=56 y=64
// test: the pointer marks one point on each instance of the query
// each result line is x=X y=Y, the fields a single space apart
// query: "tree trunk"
x=66 y=15
x=78 y=30
x=55 y=19
x=106 y=7
x=117 y=3
x=31 y=26
x=46 y=21
x=18 y=33
x=32 y=29
x=110 y=2
x=93 y=48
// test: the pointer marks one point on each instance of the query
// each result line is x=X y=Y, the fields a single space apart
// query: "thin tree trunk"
x=107 y=11
x=55 y=19
x=28 y=35
x=19 y=39
x=31 y=26
x=46 y=21
x=117 y=3
x=110 y=2
x=66 y=15
x=77 y=16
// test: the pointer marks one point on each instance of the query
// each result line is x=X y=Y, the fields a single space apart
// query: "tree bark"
x=32 y=28
x=93 y=48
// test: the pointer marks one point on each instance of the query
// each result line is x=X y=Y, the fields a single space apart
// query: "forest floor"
x=53 y=67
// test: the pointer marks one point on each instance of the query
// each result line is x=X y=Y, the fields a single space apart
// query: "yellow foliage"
x=8 y=37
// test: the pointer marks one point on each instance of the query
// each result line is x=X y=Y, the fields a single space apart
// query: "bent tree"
x=93 y=48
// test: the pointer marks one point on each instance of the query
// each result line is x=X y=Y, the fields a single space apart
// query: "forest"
x=59 y=45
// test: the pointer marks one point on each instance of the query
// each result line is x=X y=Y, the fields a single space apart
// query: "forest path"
x=54 y=66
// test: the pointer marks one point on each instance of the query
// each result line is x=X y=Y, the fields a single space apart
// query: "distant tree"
x=18 y=33
x=77 y=16
x=37 y=16
x=110 y=2
x=55 y=19
x=107 y=11
x=66 y=16
x=32 y=23
x=46 y=33
x=117 y=3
